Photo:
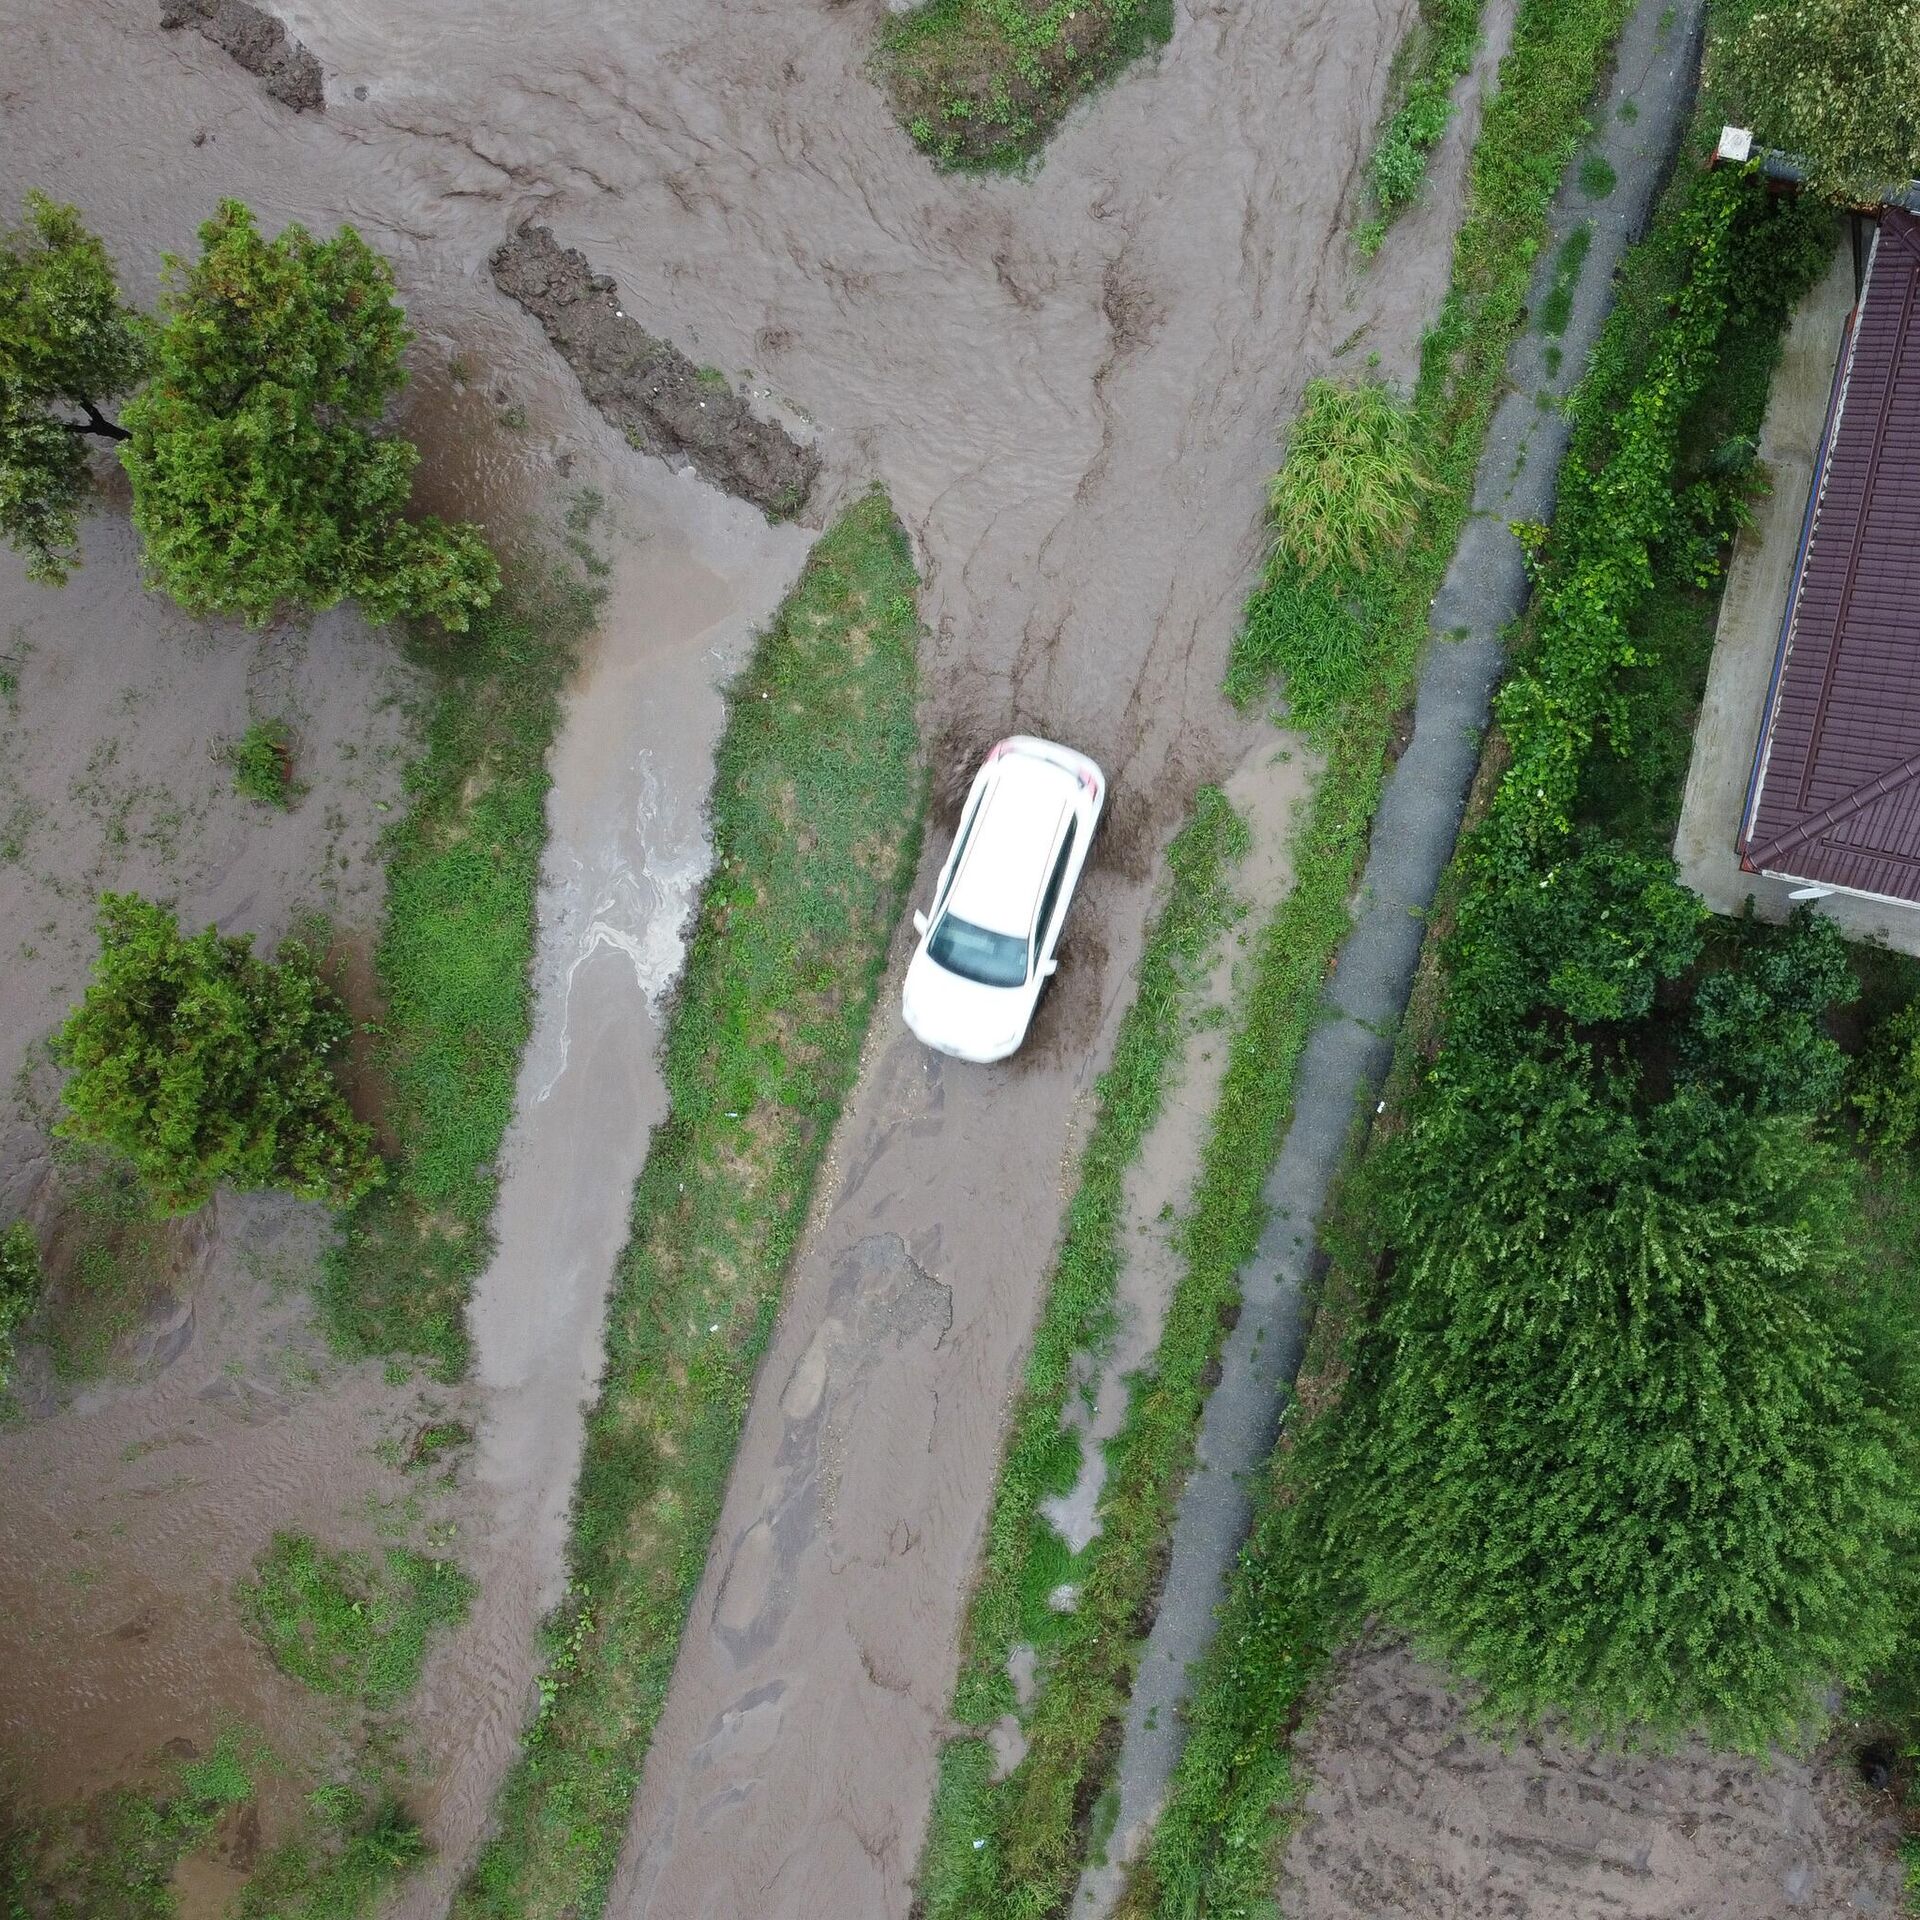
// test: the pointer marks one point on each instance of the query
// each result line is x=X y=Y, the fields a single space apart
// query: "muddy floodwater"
x=1070 y=386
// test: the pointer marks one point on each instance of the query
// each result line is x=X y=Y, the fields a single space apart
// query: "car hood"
x=961 y=1017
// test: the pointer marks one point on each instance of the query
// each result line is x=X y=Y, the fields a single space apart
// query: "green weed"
x=1435 y=57
x=1597 y=177
x=348 y=1623
x=816 y=816
x=263 y=763
x=1557 y=308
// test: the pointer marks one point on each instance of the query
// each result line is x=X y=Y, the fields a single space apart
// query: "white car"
x=987 y=947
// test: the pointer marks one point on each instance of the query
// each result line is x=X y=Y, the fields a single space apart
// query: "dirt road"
x=1070 y=387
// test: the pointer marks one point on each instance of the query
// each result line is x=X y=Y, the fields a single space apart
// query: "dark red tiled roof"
x=1836 y=790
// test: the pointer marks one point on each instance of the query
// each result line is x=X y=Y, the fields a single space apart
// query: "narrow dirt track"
x=1071 y=387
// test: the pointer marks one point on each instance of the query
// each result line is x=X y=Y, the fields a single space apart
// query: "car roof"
x=1018 y=827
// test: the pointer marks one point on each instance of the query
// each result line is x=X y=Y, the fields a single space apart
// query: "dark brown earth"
x=647 y=387
x=259 y=43
x=1414 y=1815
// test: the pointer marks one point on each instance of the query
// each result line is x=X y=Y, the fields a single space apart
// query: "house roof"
x=1835 y=793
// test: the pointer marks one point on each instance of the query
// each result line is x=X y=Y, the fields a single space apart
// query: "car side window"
x=960 y=844
x=1051 y=898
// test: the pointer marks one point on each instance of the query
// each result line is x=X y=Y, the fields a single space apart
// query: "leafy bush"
x=1616 y=1458
x=21 y=1279
x=1349 y=489
x=1757 y=1036
x=1886 y=1088
x=202 y=1063
x=263 y=764
x=66 y=343
x=260 y=480
x=347 y=1624
x=1835 y=83
x=1590 y=938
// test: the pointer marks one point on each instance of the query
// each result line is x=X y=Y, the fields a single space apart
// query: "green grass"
x=1597 y=177
x=1557 y=308
x=980 y=84
x=1034 y=1823
x=1434 y=58
x=358 y=1851
x=351 y=1624
x=817 y=802
x=113 y=1858
x=263 y=764
x=453 y=961
x=1025 y=1558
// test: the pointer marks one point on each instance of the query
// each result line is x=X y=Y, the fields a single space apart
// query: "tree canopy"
x=1835 y=83
x=67 y=345
x=1618 y=1455
x=260 y=479
x=205 y=1064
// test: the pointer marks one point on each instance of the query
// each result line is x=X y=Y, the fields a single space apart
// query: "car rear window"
x=974 y=953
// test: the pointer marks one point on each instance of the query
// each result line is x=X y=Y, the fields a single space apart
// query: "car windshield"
x=990 y=959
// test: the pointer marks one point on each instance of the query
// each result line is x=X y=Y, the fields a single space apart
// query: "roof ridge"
x=1844 y=808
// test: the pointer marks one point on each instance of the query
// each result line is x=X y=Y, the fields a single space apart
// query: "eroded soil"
x=648 y=388
x=257 y=41
x=1412 y=1813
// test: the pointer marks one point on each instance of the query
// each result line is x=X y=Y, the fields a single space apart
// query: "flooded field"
x=1071 y=387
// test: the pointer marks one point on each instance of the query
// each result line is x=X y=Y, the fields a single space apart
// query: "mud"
x=257 y=41
x=1071 y=387
x=648 y=388
x=1412 y=1813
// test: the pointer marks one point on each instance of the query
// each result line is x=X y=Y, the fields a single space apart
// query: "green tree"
x=67 y=345
x=1886 y=1086
x=21 y=1279
x=1757 y=1036
x=1617 y=1451
x=1836 y=83
x=260 y=480
x=204 y=1064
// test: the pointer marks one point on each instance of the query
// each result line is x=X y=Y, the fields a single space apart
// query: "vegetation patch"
x=1433 y=60
x=21 y=1280
x=980 y=84
x=263 y=764
x=348 y=1623
x=454 y=965
x=816 y=809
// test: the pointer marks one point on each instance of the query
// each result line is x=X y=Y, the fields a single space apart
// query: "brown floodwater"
x=1071 y=386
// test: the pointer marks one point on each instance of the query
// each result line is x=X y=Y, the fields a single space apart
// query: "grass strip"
x=1015 y=1847
x=454 y=964
x=980 y=84
x=1433 y=59
x=817 y=803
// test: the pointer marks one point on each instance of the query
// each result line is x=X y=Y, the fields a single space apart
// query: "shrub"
x=1590 y=937
x=202 y=1063
x=1886 y=1087
x=260 y=480
x=1615 y=1457
x=21 y=1278
x=1349 y=489
x=1835 y=83
x=67 y=343
x=1757 y=1036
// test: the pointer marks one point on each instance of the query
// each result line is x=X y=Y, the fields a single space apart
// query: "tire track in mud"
x=1086 y=550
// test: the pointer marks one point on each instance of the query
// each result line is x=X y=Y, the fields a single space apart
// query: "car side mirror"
x=1049 y=967
x=919 y=922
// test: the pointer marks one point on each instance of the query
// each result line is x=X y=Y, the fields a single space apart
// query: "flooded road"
x=1071 y=387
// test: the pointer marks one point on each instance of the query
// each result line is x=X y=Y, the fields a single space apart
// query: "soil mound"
x=647 y=387
x=258 y=42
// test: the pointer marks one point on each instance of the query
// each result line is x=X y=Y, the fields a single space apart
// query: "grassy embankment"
x=1036 y=1823
x=1291 y=1600
x=980 y=84
x=1431 y=61
x=817 y=802
x=454 y=964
